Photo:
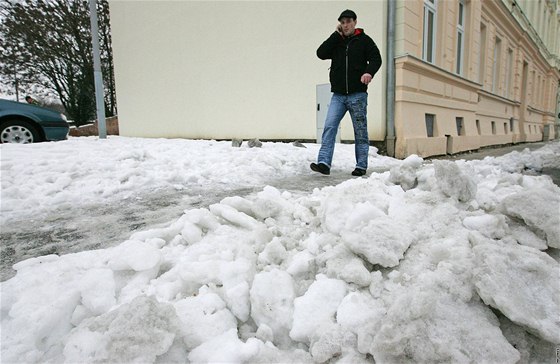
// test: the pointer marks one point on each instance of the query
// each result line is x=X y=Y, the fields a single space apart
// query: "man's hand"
x=339 y=29
x=366 y=78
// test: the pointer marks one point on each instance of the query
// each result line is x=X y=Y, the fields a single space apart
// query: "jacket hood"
x=357 y=31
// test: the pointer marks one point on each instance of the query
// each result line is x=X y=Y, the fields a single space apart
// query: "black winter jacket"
x=350 y=57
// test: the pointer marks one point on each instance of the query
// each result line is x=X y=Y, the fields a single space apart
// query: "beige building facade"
x=468 y=73
x=231 y=69
x=475 y=73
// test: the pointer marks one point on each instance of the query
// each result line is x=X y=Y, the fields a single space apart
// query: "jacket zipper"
x=347 y=45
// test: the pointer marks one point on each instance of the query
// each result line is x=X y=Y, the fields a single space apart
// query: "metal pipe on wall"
x=97 y=75
x=390 y=99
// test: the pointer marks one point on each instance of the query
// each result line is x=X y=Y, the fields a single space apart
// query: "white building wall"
x=231 y=69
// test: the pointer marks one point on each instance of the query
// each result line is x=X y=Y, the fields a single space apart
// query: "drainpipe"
x=557 y=123
x=97 y=75
x=390 y=99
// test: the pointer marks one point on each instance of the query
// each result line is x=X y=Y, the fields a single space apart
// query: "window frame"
x=461 y=19
x=482 y=55
x=430 y=7
x=430 y=121
x=496 y=69
x=509 y=72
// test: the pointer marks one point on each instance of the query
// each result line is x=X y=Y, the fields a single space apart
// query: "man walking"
x=355 y=59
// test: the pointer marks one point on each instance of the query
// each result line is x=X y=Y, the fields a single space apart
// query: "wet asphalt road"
x=105 y=225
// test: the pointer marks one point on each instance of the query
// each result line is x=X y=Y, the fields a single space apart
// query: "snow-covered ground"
x=86 y=194
x=418 y=262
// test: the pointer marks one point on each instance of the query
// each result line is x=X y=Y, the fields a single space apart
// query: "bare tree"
x=48 y=43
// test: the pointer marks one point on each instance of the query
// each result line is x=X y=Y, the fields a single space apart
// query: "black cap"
x=347 y=14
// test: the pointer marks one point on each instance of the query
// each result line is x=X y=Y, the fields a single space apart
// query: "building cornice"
x=518 y=20
x=413 y=63
x=499 y=98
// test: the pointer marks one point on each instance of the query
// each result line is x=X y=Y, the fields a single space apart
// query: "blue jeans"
x=356 y=104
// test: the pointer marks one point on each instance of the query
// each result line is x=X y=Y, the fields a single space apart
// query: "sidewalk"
x=492 y=151
x=498 y=151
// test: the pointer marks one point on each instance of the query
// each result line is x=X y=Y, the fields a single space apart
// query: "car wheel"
x=18 y=131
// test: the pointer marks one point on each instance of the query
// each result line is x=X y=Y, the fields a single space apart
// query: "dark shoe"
x=358 y=172
x=321 y=168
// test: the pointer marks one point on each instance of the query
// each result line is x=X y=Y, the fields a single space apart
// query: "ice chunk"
x=540 y=209
x=491 y=226
x=354 y=199
x=234 y=216
x=405 y=174
x=191 y=233
x=427 y=327
x=272 y=303
x=382 y=240
x=361 y=314
x=316 y=307
x=343 y=264
x=264 y=333
x=453 y=182
x=522 y=283
x=525 y=236
x=215 y=267
x=98 y=290
x=135 y=332
x=226 y=348
x=34 y=328
x=532 y=349
x=273 y=253
x=331 y=341
x=237 y=299
x=301 y=264
x=270 y=202
x=240 y=204
x=135 y=255
x=203 y=317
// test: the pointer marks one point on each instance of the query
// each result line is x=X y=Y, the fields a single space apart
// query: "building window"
x=460 y=126
x=505 y=128
x=496 y=65
x=509 y=72
x=460 y=37
x=493 y=128
x=539 y=93
x=429 y=39
x=543 y=23
x=550 y=37
x=534 y=88
x=430 y=121
x=482 y=60
x=511 y=122
x=478 y=126
x=543 y=94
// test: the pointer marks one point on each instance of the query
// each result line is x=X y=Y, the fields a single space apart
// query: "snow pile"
x=402 y=266
x=501 y=277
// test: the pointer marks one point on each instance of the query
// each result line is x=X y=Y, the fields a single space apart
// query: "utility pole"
x=97 y=75
x=16 y=83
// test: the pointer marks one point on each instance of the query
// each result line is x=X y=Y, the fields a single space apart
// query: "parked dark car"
x=26 y=123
